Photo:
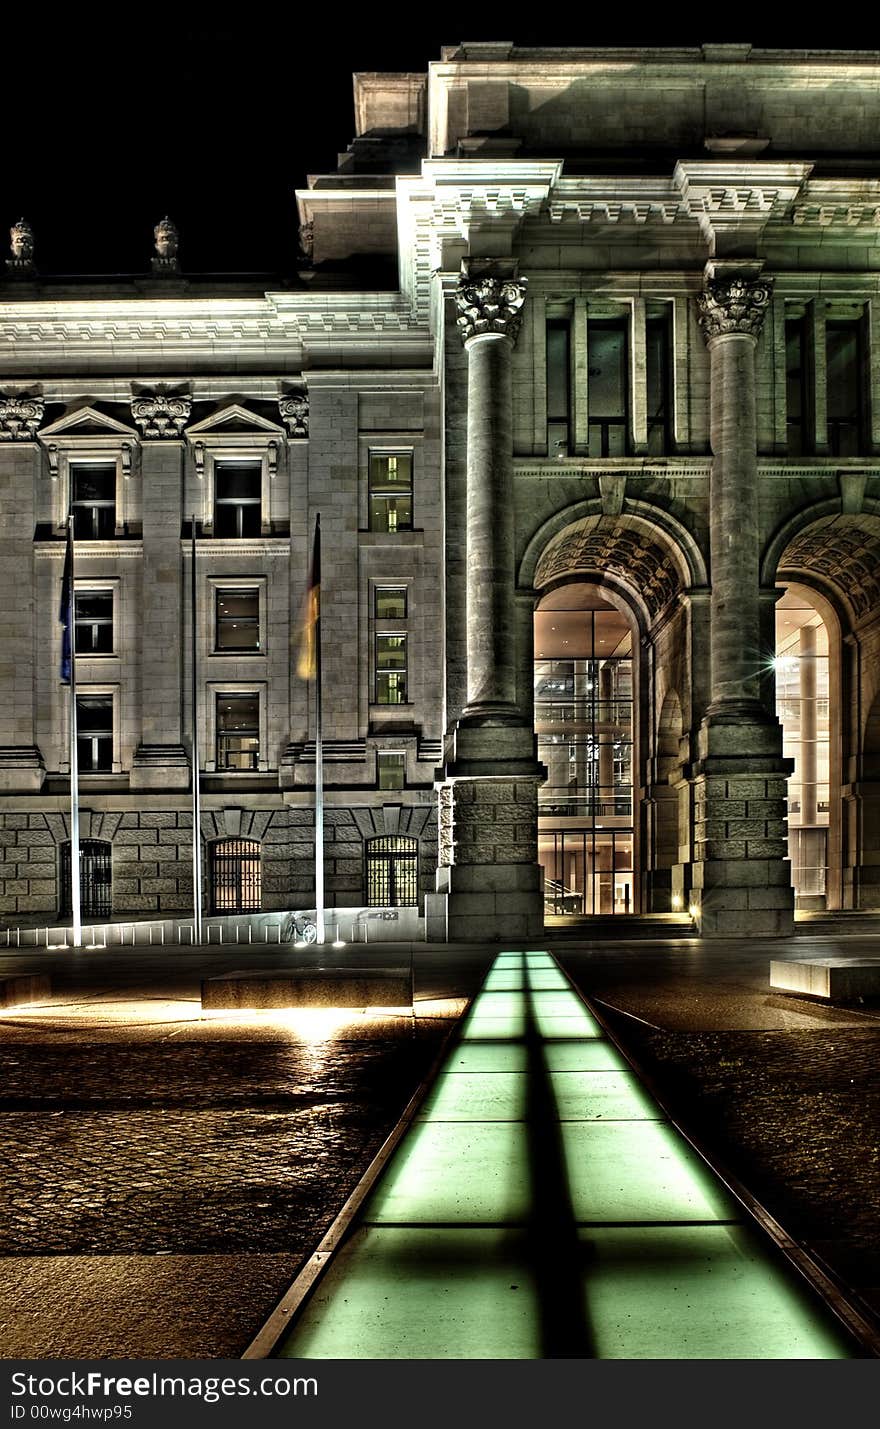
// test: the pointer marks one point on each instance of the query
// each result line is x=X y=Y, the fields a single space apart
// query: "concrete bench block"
x=24 y=989
x=828 y=978
x=262 y=991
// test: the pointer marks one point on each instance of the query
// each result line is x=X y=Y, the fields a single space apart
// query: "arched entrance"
x=829 y=567
x=584 y=720
x=802 y=667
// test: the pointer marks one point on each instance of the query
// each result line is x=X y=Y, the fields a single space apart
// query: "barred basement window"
x=236 y=876
x=95 y=879
x=392 y=872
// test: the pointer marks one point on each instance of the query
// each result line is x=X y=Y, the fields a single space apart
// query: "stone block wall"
x=152 y=855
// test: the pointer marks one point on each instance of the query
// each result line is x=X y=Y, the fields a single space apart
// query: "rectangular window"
x=391 y=770
x=237 y=499
x=658 y=386
x=607 y=387
x=796 y=399
x=93 y=621
x=391 y=602
x=94 y=501
x=94 y=733
x=237 y=620
x=843 y=351
x=391 y=670
x=391 y=492
x=238 y=731
x=558 y=387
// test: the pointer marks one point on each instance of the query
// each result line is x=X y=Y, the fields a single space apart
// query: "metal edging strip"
x=283 y=1317
x=838 y=1298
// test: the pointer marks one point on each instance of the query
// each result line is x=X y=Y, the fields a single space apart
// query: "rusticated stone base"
x=742 y=875
x=489 y=873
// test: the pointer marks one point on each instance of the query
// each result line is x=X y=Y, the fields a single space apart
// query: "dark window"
x=392 y=867
x=94 y=502
x=391 y=769
x=391 y=492
x=391 y=669
x=238 y=620
x=796 y=402
x=237 y=498
x=843 y=342
x=238 y=731
x=95 y=879
x=558 y=387
x=94 y=622
x=607 y=387
x=94 y=733
x=658 y=367
x=391 y=603
x=236 y=881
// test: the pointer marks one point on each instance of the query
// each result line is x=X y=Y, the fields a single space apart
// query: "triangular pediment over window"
x=87 y=421
x=234 y=419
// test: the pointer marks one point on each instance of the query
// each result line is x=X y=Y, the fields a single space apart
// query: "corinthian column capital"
x=490 y=305
x=733 y=305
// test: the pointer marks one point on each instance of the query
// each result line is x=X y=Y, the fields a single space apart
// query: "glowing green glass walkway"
x=541 y=1205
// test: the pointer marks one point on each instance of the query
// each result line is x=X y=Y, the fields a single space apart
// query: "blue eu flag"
x=65 y=613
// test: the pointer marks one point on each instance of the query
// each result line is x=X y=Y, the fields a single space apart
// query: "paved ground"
x=169 y=1174
x=162 y=1186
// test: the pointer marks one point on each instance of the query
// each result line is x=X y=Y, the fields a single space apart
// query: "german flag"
x=65 y=613
x=307 y=660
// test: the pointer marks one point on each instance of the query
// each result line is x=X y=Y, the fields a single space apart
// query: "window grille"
x=236 y=878
x=392 y=869
x=95 y=879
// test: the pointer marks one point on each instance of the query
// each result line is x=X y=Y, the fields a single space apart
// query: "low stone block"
x=832 y=979
x=24 y=989
x=257 y=991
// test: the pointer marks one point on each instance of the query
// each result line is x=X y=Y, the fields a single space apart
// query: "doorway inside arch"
x=584 y=724
x=802 y=706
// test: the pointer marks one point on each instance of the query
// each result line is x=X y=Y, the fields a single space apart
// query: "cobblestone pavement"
x=227 y=1159
x=796 y=1116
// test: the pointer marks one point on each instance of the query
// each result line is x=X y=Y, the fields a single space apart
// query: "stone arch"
x=832 y=550
x=583 y=532
x=670 y=727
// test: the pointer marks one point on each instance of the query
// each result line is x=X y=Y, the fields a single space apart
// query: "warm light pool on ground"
x=542 y=1205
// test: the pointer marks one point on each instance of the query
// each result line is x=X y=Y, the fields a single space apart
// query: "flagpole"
x=319 y=760
x=75 y=893
x=196 y=761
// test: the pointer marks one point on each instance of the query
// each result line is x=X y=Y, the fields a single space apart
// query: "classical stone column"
x=741 y=875
x=160 y=759
x=21 y=761
x=489 y=319
x=488 y=879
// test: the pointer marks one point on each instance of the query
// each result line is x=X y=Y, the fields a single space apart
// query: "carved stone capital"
x=294 y=410
x=733 y=305
x=159 y=416
x=20 y=417
x=490 y=305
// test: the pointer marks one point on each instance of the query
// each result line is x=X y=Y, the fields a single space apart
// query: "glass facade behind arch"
x=584 y=723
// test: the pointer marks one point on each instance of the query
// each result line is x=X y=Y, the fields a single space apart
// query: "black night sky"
x=112 y=119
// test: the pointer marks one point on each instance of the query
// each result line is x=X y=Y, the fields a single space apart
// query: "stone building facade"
x=581 y=351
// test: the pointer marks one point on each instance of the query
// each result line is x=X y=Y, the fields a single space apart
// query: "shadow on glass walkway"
x=542 y=1206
